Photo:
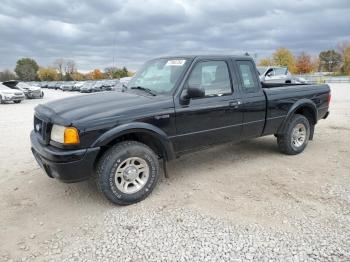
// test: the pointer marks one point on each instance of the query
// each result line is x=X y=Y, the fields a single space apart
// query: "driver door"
x=213 y=118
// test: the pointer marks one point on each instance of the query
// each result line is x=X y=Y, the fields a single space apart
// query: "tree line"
x=336 y=62
x=27 y=69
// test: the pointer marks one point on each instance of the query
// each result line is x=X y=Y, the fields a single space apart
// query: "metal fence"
x=325 y=79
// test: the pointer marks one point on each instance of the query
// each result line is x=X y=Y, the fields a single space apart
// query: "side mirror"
x=192 y=92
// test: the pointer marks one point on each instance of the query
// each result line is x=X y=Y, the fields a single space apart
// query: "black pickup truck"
x=173 y=105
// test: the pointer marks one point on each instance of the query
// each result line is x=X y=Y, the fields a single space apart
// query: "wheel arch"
x=145 y=133
x=304 y=107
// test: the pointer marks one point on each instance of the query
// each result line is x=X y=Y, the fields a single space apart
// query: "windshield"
x=159 y=75
x=280 y=70
x=262 y=70
x=23 y=85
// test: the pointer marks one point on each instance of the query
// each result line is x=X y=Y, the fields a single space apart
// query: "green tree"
x=26 y=69
x=119 y=73
x=284 y=57
x=330 y=60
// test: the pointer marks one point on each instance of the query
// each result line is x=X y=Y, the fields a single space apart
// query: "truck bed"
x=281 y=97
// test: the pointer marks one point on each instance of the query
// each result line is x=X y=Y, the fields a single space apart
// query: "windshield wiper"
x=147 y=90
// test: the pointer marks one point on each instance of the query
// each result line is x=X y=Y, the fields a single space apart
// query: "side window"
x=247 y=76
x=212 y=76
x=281 y=71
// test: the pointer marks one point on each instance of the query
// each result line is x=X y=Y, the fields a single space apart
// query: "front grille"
x=41 y=129
x=18 y=94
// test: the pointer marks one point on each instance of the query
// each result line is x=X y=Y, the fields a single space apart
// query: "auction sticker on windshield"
x=175 y=62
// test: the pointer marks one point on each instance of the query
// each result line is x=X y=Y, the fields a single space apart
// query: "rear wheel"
x=1 y=101
x=296 y=136
x=127 y=173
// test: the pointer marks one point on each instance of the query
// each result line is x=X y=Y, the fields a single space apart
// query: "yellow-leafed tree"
x=47 y=74
x=346 y=60
x=266 y=62
x=284 y=57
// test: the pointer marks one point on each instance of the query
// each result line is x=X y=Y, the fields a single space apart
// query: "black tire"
x=1 y=102
x=113 y=159
x=285 y=141
x=42 y=94
x=17 y=101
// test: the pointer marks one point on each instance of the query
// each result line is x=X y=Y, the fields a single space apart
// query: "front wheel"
x=295 y=137
x=127 y=173
x=17 y=101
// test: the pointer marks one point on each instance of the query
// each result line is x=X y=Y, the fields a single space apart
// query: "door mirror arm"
x=191 y=92
x=184 y=98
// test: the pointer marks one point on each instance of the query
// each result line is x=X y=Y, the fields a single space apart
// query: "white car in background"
x=278 y=75
x=30 y=91
x=7 y=94
x=78 y=85
x=275 y=75
x=123 y=82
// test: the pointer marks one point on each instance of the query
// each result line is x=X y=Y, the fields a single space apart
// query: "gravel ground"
x=244 y=202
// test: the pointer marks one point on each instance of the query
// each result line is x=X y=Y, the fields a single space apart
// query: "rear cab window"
x=247 y=75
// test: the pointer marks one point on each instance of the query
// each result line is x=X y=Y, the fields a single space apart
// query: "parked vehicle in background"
x=78 y=85
x=30 y=91
x=52 y=84
x=278 y=75
x=43 y=84
x=87 y=87
x=123 y=82
x=275 y=75
x=172 y=106
x=7 y=94
x=67 y=86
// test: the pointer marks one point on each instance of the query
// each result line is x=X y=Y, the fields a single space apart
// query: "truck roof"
x=207 y=56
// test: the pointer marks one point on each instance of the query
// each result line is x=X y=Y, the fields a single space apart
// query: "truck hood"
x=94 y=109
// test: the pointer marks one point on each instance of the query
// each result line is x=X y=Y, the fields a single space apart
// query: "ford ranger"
x=172 y=106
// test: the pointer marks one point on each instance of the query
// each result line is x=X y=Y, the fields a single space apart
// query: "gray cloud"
x=133 y=31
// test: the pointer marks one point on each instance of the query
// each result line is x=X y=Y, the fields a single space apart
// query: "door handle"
x=235 y=104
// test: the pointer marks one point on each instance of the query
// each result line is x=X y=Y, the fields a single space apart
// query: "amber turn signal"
x=71 y=136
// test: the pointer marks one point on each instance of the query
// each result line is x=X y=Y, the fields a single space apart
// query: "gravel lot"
x=232 y=202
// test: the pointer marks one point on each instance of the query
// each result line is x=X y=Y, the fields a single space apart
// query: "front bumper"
x=69 y=166
x=12 y=98
x=34 y=94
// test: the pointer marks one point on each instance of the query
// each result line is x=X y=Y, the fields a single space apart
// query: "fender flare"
x=297 y=105
x=137 y=127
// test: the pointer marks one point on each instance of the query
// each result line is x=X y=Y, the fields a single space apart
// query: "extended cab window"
x=248 y=79
x=212 y=76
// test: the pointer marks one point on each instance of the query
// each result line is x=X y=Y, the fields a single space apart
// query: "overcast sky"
x=91 y=33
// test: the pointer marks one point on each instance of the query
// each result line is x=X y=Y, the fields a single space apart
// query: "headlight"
x=65 y=135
